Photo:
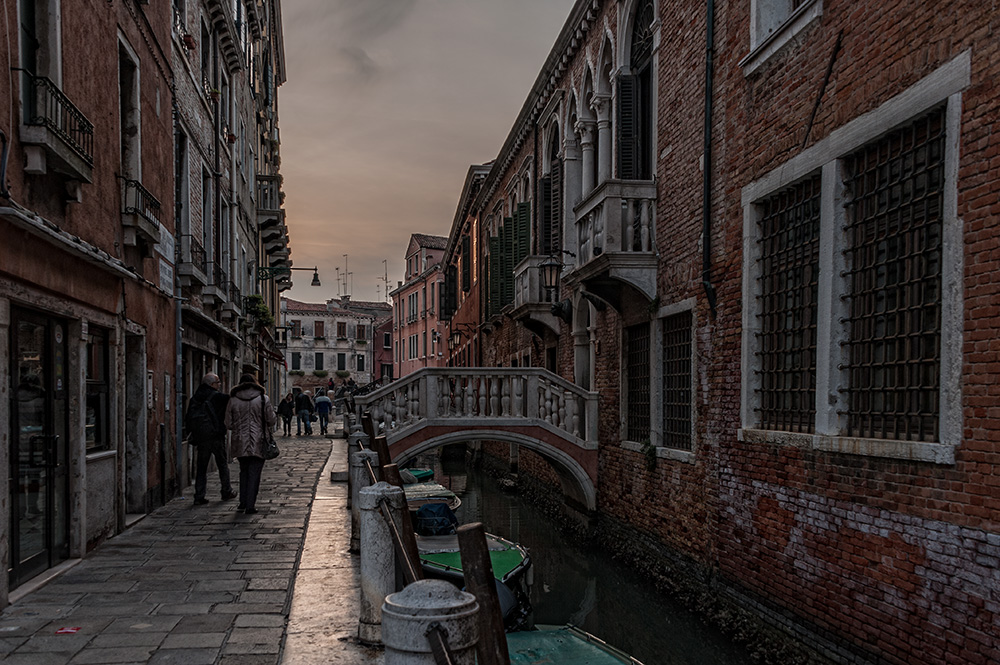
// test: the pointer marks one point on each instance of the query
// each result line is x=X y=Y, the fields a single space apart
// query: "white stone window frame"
x=656 y=383
x=764 y=43
x=943 y=86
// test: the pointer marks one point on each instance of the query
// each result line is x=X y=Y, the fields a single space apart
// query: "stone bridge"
x=528 y=406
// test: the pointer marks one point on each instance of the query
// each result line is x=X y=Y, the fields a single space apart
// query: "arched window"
x=550 y=233
x=635 y=101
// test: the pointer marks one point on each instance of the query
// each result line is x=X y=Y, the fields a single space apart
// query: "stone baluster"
x=505 y=395
x=563 y=398
x=541 y=400
x=647 y=225
x=599 y=229
x=549 y=410
x=400 y=399
x=413 y=412
x=495 y=396
x=628 y=241
x=573 y=413
x=470 y=398
x=482 y=395
x=518 y=396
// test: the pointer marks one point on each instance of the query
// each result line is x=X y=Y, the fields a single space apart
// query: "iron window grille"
x=789 y=269
x=637 y=382
x=677 y=381
x=895 y=189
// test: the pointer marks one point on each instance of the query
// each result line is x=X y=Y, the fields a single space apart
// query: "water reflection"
x=585 y=587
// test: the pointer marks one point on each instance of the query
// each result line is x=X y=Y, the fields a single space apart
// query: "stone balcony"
x=615 y=229
x=532 y=302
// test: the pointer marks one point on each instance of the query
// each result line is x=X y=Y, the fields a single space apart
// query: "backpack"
x=202 y=422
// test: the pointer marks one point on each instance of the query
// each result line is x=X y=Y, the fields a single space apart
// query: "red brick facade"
x=866 y=548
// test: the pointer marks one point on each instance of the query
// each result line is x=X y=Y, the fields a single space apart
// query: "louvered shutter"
x=494 y=278
x=466 y=264
x=523 y=237
x=451 y=289
x=555 y=226
x=507 y=252
x=545 y=233
x=628 y=105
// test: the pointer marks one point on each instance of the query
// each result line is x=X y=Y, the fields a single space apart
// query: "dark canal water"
x=586 y=587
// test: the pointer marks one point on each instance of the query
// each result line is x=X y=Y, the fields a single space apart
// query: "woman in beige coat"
x=246 y=414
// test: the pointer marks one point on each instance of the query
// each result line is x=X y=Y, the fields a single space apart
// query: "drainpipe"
x=706 y=228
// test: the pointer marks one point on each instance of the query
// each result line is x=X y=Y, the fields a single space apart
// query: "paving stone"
x=148 y=624
x=101 y=656
x=193 y=641
x=185 y=608
x=145 y=639
x=66 y=644
x=204 y=623
x=184 y=657
x=267 y=583
x=260 y=621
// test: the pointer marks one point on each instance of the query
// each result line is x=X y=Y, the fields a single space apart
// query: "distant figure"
x=323 y=407
x=304 y=407
x=204 y=422
x=247 y=414
x=286 y=409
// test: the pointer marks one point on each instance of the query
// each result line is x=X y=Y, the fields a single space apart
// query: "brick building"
x=418 y=339
x=773 y=226
x=129 y=220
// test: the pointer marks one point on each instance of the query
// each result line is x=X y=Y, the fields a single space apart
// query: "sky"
x=386 y=105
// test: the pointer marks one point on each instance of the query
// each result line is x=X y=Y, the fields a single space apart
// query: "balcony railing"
x=269 y=192
x=140 y=213
x=198 y=256
x=50 y=108
x=219 y=277
x=234 y=294
x=619 y=216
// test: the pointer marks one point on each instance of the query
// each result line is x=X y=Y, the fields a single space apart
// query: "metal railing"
x=269 y=192
x=235 y=296
x=198 y=257
x=51 y=108
x=219 y=276
x=136 y=200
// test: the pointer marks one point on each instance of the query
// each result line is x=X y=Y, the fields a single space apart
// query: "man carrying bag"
x=207 y=430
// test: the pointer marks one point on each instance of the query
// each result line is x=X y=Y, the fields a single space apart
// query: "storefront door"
x=38 y=461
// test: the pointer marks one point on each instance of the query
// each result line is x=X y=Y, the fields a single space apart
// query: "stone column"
x=360 y=479
x=602 y=107
x=408 y=618
x=586 y=131
x=378 y=556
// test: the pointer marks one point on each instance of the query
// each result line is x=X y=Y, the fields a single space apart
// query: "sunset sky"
x=387 y=104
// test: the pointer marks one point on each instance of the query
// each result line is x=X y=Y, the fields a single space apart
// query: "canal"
x=586 y=587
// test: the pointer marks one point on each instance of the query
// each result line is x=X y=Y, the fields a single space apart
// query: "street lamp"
x=265 y=273
x=459 y=330
x=549 y=271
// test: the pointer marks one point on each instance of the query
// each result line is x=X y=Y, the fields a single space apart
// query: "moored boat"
x=563 y=645
x=419 y=494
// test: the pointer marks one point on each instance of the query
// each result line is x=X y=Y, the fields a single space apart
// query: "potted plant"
x=214 y=94
x=321 y=373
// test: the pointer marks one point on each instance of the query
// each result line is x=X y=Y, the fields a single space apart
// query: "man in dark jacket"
x=304 y=407
x=204 y=422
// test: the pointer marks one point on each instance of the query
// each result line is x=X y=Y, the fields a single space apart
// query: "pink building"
x=417 y=339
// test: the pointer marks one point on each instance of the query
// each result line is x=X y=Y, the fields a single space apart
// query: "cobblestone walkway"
x=188 y=584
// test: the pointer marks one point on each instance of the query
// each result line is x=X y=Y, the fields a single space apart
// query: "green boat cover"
x=422 y=474
x=442 y=552
x=562 y=646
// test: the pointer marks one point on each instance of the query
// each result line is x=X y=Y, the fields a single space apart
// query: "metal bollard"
x=378 y=557
x=360 y=479
x=412 y=618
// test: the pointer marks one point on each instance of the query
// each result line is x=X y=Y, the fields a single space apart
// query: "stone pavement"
x=198 y=585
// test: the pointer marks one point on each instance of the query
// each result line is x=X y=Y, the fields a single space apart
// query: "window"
x=362 y=332
x=789 y=269
x=98 y=434
x=361 y=363
x=342 y=329
x=130 y=126
x=296 y=360
x=423 y=302
x=296 y=328
x=341 y=361
x=414 y=346
x=860 y=349
x=637 y=383
x=430 y=303
x=676 y=378
x=318 y=361
x=773 y=23
x=423 y=344
x=894 y=225
x=386 y=340
x=319 y=330
x=635 y=100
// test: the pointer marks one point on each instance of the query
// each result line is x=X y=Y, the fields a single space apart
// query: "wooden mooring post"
x=480 y=582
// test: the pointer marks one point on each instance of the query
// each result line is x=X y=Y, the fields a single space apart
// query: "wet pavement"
x=202 y=585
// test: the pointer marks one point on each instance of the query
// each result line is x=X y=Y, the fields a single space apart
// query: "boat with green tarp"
x=565 y=645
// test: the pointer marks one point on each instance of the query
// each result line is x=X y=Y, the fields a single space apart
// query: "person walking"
x=286 y=409
x=249 y=411
x=304 y=407
x=323 y=407
x=204 y=421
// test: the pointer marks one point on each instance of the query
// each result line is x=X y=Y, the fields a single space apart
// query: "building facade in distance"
x=418 y=340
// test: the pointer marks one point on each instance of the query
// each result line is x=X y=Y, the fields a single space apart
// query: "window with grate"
x=789 y=269
x=895 y=205
x=677 y=381
x=637 y=382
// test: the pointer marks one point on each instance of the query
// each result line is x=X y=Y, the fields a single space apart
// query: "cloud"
x=361 y=66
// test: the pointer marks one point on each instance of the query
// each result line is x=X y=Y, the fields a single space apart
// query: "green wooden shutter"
x=545 y=232
x=555 y=203
x=523 y=237
x=493 y=303
x=628 y=106
x=507 y=252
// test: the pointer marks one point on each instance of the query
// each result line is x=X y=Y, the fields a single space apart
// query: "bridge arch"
x=577 y=484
